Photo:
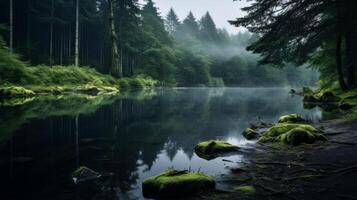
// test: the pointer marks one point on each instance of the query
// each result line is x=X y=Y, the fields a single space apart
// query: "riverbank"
x=25 y=81
x=323 y=170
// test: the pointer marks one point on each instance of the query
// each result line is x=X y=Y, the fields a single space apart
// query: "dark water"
x=133 y=136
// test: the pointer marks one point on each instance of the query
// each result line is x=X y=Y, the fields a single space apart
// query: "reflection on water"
x=134 y=136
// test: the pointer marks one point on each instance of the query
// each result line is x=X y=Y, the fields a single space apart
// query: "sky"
x=220 y=10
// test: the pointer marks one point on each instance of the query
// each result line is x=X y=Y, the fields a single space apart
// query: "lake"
x=134 y=136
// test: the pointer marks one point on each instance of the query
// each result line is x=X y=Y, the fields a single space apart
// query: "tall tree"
x=116 y=68
x=172 y=22
x=11 y=17
x=208 y=30
x=76 y=53
x=190 y=25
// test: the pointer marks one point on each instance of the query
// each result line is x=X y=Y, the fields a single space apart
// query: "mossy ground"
x=173 y=183
x=213 y=148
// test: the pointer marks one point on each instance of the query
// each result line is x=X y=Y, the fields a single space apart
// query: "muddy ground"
x=325 y=170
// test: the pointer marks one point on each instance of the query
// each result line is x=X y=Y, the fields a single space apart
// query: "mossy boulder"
x=250 y=134
x=214 y=148
x=292 y=118
x=84 y=174
x=300 y=135
x=275 y=133
x=174 y=183
x=345 y=105
x=15 y=91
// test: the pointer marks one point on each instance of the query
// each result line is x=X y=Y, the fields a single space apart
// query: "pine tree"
x=208 y=29
x=172 y=22
x=190 y=26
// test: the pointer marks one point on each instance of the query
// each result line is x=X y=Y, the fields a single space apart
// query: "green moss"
x=213 y=148
x=273 y=133
x=173 y=183
x=15 y=91
x=292 y=118
x=300 y=135
x=250 y=134
x=245 y=190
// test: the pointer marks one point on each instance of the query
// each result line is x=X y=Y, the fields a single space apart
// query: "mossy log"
x=174 y=183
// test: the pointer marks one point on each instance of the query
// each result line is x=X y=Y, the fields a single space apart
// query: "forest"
x=193 y=52
x=167 y=99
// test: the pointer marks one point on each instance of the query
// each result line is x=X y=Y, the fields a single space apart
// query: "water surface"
x=133 y=136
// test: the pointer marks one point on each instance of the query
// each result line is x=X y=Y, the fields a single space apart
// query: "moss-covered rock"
x=292 y=118
x=214 y=148
x=174 y=183
x=15 y=91
x=300 y=135
x=250 y=134
x=274 y=133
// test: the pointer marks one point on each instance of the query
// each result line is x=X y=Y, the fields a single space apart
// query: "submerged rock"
x=214 y=148
x=292 y=118
x=250 y=134
x=174 y=183
x=300 y=135
x=83 y=174
x=304 y=133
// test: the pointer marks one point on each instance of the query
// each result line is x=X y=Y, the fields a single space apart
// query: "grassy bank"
x=37 y=80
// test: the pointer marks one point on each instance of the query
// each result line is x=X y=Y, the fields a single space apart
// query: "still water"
x=133 y=136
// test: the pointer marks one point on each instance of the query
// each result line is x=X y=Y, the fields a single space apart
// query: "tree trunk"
x=11 y=42
x=339 y=63
x=51 y=33
x=76 y=62
x=115 y=69
x=349 y=43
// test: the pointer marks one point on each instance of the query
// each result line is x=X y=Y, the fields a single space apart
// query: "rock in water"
x=292 y=118
x=83 y=174
x=250 y=134
x=174 y=183
x=213 y=149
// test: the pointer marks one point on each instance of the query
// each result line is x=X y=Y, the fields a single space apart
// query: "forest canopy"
x=191 y=52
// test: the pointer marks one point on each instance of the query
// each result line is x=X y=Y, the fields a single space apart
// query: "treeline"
x=322 y=33
x=188 y=53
